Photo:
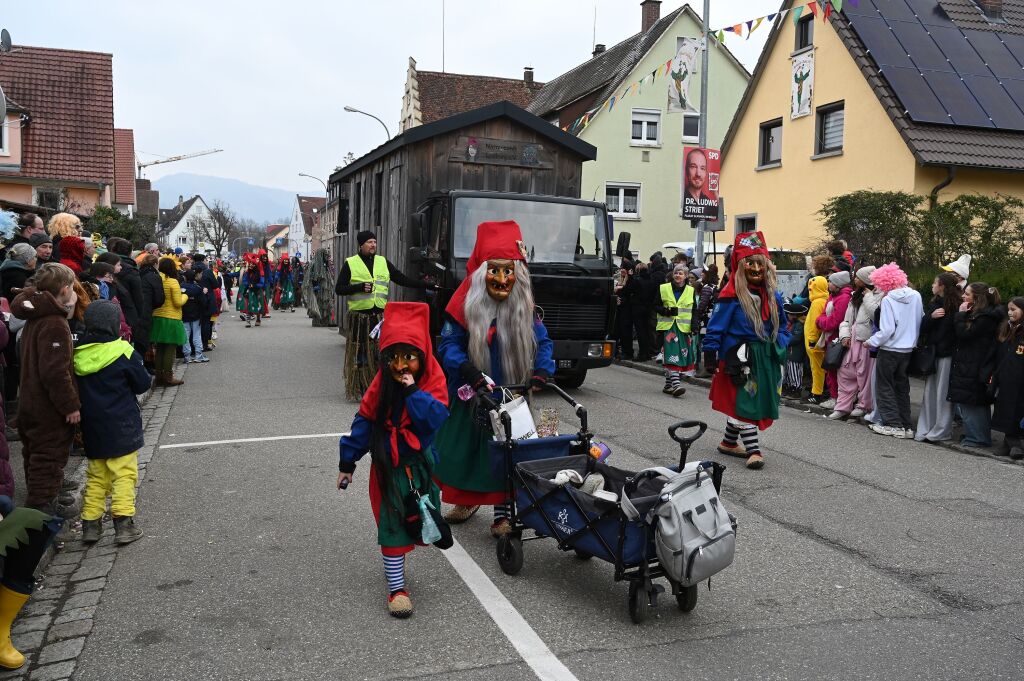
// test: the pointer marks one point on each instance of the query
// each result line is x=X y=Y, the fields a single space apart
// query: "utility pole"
x=698 y=246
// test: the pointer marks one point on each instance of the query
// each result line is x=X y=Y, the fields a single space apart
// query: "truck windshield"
x=553 y=232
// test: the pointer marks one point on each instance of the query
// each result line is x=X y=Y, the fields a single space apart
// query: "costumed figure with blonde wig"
x=491 y=331
x=745 y=346
x=252 y=290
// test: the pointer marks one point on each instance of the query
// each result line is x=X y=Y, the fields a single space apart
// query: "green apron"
x=758 y=398
x=391 y=530
x=465 y=461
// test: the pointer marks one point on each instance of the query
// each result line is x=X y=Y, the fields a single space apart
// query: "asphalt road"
x=859 y=556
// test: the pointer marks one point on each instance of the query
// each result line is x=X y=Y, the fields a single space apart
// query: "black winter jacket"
x=1009 y=380
x=195 y=307
x=132 y=304
x=974 y=359
x=111 y=420
x=938 y=332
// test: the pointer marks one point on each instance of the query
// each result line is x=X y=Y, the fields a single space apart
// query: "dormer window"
x=992 y=9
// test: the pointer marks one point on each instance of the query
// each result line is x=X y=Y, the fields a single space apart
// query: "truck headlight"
x=595 y=350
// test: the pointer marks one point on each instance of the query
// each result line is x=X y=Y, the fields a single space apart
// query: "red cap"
x=494 y=241
x=748 y=244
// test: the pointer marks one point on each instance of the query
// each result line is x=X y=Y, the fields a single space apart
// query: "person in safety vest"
x=675 y=305
x=364 y=278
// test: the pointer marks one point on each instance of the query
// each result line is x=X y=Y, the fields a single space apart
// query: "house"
x=639 y=171
x=181 y=226
x=57 y=147
x=919 y=96
x=277 y=240
x=432 y=95
x=124 y=171
x=305 y=216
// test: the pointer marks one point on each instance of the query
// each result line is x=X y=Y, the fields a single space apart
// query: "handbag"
x=922 y=361
x=518 y=409
x=834 y=354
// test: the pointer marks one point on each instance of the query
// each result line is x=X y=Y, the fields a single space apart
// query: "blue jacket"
x=195 y=307
x=110 y=374
x=729 y=326
x=454 y=353
x=426 y=413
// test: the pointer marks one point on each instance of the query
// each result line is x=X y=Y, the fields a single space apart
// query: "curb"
x=984 y=453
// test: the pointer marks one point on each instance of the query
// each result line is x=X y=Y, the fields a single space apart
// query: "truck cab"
x=568 y=253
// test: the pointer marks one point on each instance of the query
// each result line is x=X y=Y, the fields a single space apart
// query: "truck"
x=568 y=252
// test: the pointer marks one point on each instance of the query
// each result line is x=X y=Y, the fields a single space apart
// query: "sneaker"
x=837 y=415
x=125 y=531
x=399 y=604
x=186 y=359
x=908 y=433
x=201 y=359
x=91 y=530
x=755 y=461
x=732 y=450
x=857 y=413
x=830 y=403
x=886 y=430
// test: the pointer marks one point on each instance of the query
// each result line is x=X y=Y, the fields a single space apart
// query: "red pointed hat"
x=494 y=241
x=748 y=244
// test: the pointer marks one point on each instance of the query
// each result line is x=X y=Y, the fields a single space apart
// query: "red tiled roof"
x=274 y=229
x=306 y=206
x=124 y=166
x=70 y=95
x=446 y=94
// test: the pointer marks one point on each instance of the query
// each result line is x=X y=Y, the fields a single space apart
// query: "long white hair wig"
x=514 y=323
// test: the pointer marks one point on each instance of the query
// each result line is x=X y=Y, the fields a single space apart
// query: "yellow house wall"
x=19 y=193
x=969 y=181
x=786 y=199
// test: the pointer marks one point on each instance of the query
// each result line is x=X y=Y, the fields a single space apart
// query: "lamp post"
x=352 y=109
x=326 y=196
x=237 y=239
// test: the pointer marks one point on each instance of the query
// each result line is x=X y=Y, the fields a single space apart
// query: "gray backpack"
x=694 y=537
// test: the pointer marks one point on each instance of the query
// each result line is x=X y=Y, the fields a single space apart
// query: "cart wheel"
x=687 y=598
x=510 y=554
x=581 y=555
x=639 y=602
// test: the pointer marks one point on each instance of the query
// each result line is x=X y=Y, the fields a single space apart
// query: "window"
x=691 y=127
x=746 y=223
x=182 y=240
x=623 y=200
x=829 y=129
x=3 y=140
x=645 y=125
x=48 y=197
x=771 y=143
x=804 y=33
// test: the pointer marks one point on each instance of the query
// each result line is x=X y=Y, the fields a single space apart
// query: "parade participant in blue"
x=492 y=330
x=746 y=340
x=400 y=412
x=252 y=290
x=284 y=292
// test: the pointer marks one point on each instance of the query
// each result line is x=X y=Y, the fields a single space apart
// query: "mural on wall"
x=684 y=68
x=802 y=85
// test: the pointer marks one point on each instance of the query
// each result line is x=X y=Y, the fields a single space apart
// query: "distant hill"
x=262 y=204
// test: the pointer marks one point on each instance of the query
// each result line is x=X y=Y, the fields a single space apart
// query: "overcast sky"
x=267 y=81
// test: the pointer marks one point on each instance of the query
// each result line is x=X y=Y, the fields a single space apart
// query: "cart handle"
x=686 y=441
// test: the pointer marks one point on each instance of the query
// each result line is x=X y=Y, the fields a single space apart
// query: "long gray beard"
x=514 y=325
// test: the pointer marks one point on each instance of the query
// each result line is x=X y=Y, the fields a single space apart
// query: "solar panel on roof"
x=957 y=99
x=897 y=10
x=865 y=8
x=915 y=95
x=996 y=102
x=1015 y=88
x=962 y=55
x=1015 y=45
x=918 y=43
x=882 y=44
x=930 y=13
x=995 y=54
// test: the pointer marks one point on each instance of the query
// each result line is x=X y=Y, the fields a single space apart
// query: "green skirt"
x=391 y=530
x=464 y=472
x=167 y=331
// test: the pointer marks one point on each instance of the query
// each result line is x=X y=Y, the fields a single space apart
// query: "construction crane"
x=171 y=159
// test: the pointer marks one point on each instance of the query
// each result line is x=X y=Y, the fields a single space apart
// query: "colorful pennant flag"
x=813 y=6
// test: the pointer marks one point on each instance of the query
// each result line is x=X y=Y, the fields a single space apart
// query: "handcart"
x=594 y=527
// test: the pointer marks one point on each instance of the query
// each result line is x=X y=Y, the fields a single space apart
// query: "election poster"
x=684 y=69
x=802 y=85
x=701 y=169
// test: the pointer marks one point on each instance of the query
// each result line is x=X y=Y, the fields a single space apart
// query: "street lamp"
x=351 y=109
x=239 y=238
x=313 y=177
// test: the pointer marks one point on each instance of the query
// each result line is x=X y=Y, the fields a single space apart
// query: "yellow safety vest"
x=360 y=275
x=684 y=304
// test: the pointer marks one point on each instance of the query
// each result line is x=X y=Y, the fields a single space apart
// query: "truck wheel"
x=571 y=380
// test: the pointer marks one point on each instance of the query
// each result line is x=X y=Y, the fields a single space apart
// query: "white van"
x=791 y=267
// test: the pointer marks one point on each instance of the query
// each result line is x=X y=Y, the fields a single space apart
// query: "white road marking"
x=544 y=663
x=210 y=443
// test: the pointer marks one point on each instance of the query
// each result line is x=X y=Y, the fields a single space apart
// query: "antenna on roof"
x=593 y=42
x=5 y=41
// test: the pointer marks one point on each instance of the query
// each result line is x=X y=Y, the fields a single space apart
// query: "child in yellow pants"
x=817 y=290
x=110 y=374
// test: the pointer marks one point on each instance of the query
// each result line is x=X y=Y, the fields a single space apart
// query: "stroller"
x=595 y=527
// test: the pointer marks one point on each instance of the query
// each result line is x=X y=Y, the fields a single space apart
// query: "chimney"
x=650 y=13
x=181 y=200
x=992 y=9
x=528 y=75
x=598 y=49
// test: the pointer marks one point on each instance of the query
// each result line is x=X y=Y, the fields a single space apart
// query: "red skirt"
x=723 y=398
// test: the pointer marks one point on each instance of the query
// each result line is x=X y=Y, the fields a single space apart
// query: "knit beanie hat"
x=864 y=274
x=21 y=252
x=364 y=236
x=839 y=279
x=103 y=317
x=38 y=239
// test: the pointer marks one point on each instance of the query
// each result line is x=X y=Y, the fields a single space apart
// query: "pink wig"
x=889 y=277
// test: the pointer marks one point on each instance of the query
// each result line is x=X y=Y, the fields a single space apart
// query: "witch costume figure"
x=284 y=292
x=252 y=289
x=746 y=340
x=400 y=412
x=491 y=335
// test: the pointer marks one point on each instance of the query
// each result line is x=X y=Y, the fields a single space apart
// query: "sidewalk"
x=916 y=396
